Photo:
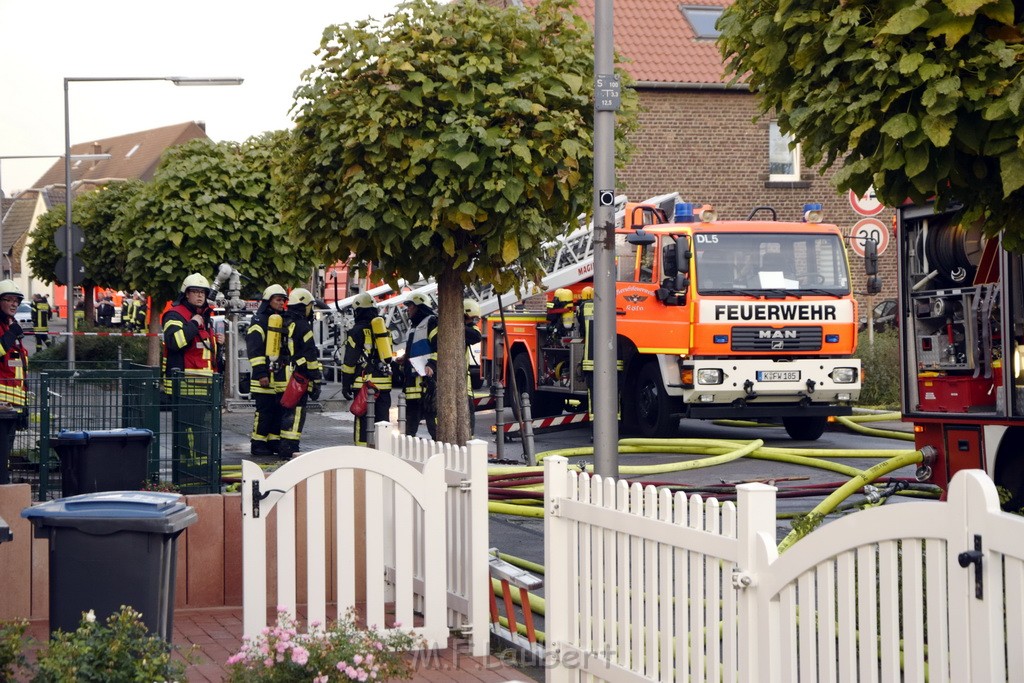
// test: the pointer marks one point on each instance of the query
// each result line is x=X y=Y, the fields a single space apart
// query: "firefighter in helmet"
x=471 y=318
x=190 y=342
x=268 y=359
x=420 y=366
x=367 y=358
x=41 y=314
x=304 y=359
x=13 y=361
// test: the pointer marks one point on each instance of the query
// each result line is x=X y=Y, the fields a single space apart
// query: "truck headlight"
x=844 y=375
x=709 y=376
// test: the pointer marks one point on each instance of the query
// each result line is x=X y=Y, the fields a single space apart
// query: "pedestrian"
x=105 y=312
x=367 y=358
x=263 y=344
x=190 y=342
x=471 y=313
x=304 y=360
x=420 y=366
x=138 y=312
x=13 y=368
x=41 y=314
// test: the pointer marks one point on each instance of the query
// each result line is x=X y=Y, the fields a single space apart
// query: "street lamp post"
x=69 y=271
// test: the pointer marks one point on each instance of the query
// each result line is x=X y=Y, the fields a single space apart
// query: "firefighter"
x=190 y=343
x=41 y=314
x=471 y=313
x=128 y=313
x=303 y=358
x=13 y=361
x=138 y=312
x=367 y=357
x=263 y=344
x=420 y=365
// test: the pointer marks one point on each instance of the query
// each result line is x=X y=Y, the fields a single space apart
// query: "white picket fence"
x=425 y=522
x=643 y=585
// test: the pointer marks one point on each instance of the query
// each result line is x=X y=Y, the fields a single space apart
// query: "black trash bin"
x=102 y=460
x=8 y=425
x=110 y=549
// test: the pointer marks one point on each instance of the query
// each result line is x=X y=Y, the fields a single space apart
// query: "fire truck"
x=740 y=319
x=961 y=322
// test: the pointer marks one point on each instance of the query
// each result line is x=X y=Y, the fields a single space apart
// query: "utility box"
x=110 y=549
x=102 y=460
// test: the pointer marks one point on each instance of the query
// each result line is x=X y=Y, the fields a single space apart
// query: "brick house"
x=697 y=131
x=133 y=155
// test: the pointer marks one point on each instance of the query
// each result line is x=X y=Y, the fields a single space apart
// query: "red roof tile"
x=659 y=42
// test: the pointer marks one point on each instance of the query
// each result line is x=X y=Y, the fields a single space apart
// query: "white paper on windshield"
x=774 y=279
x=419 y=364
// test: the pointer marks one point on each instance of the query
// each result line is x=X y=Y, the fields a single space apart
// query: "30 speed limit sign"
x=865 y=229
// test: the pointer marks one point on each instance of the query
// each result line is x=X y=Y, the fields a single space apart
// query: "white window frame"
x=777 y=144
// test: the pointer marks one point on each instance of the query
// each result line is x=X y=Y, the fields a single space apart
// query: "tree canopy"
x=449 y=140
x=921 y=99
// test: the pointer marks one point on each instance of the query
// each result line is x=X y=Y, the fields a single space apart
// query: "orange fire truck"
x=961 y=321
x=751 y=319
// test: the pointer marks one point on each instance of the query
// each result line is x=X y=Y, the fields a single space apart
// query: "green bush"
x=880 y=365
x=97 y=349
x=12 y=655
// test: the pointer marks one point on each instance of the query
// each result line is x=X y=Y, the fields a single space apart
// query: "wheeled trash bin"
x=102 y=460
x=110 y=549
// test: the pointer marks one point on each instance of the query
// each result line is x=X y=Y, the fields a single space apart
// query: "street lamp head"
x=179 y=80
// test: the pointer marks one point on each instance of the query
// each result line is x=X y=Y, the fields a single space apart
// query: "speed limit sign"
x=869 y=228
x=866 y=204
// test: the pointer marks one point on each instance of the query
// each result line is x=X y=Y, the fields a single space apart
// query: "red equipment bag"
x=358 y=407
x=297 y=387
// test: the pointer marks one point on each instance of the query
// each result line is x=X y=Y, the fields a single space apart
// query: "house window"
x=702 y=20
x=783 y=155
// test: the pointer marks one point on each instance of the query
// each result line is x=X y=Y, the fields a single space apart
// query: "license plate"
x=778 y=375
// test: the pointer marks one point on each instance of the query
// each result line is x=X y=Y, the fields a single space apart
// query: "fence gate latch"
x=969 y=557
x=257 y=497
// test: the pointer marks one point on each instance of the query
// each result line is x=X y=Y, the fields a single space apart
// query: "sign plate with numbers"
x=607 y=92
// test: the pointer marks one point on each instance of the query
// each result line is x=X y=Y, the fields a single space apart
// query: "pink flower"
x=321 y=679
x=358 y=659
x=268 y=662
x=300 y=655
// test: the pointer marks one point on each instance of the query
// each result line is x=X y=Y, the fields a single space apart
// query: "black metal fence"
x=185 y=453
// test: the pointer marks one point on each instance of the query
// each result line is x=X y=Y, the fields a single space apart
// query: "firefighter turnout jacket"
x=188 y=346
x=267 y=350
x=362 y=359
x=13 y=361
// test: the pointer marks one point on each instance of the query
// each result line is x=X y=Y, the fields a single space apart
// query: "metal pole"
x=499 y=420
x=70 y=269
x=606 y=427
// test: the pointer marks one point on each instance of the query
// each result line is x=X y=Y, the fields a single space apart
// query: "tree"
x=207 y=204
x=920 y=99
x=450 y=140
x=102 y=255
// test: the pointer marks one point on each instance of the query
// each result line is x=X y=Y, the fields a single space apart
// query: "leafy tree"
x=102 y=255
x=207 y=204
x=920 y=99
x=450 y=140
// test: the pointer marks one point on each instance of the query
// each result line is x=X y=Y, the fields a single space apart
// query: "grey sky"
x=268 y=44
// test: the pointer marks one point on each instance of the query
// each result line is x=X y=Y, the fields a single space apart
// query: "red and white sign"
x=869 y=228
x=866 y=204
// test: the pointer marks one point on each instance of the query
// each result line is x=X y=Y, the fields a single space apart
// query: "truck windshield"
x=756 y=263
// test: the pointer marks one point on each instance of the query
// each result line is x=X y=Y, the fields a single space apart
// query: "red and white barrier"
x=543 y=422
x=105 y=334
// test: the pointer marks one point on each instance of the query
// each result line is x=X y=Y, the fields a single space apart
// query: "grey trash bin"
x=102 y=460
x=110 y=549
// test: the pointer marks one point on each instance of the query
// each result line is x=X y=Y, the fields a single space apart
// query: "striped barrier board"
x=544 y=422
x=481 y=402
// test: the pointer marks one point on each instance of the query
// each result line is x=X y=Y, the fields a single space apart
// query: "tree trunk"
x=452 y=392
x=155 y=342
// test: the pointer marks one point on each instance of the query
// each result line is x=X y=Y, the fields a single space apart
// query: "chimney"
x=202 y=125
x=97 y=148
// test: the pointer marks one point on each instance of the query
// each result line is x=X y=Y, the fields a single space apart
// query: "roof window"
x=702 y=19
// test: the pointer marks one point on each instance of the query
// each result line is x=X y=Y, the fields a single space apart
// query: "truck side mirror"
x=669 y=264
x=640 y=237
x=874 y=284
x=683 y=274
x=870 y=257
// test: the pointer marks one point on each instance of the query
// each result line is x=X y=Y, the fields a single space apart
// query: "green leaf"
x=465 y=159
x=910 y=62
x=899 y=126
x=1011 y=171
x=509 y=251
x=939 y=129
x=952 y=29
x=905 y=21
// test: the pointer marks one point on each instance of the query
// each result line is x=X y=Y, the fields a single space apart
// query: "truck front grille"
x=777 y=339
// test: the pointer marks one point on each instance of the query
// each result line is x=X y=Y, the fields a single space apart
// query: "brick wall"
x=706 y=145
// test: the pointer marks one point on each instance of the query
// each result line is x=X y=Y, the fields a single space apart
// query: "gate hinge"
x=463 y=485
x=741 y=579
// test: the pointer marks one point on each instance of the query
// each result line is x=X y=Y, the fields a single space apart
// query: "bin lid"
x=105 y=512
x=66 y=437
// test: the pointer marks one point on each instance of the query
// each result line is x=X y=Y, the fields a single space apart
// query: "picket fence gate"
x=643 y=585
x=425 y=551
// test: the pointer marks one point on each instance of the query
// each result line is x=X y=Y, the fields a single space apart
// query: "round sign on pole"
x=866 y=204
x=869 y=228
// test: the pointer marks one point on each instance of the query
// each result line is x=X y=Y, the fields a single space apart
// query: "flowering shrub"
x=120 y=650
x=340 y=652
x=12 y=656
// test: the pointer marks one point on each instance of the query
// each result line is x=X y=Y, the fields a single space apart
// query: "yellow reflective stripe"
x=257 y=361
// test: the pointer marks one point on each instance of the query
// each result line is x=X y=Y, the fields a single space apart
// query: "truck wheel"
x=542 y=404
x=1009 y=472
x=805 y=428
x=654 y=418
